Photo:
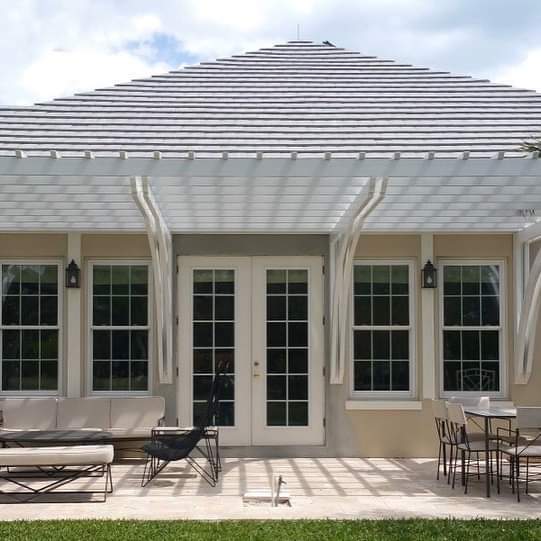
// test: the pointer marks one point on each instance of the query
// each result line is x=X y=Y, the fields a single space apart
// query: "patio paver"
x=319 y=488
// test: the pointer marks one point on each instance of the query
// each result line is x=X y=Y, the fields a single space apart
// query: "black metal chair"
x=171 y=444
x=173 y=448
x=521 y=445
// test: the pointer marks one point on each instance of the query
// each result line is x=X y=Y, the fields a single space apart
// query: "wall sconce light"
x=73 y=275
x=429 y=276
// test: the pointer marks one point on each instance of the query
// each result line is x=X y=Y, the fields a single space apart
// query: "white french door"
x=261 y=319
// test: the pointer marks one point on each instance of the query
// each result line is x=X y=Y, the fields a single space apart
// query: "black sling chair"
x=178 y=444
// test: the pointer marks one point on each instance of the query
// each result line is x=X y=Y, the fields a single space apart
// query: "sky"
x=54 y=48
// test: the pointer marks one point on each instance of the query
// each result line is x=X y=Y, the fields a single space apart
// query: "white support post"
x=428 y=330
x=343 y=252
x=159 y=240
x=73 y=324
x=519 y=275
x=529 y=315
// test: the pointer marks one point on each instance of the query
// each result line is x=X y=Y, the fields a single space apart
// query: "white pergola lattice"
x=336 y=196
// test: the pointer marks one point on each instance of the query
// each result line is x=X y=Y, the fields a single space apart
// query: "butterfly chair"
x=173 y=448
x=171 y=444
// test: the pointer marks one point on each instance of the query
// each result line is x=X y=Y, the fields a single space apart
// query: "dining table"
x=488 y=414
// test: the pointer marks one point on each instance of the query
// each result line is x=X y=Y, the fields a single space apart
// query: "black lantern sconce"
x=429 y=276
x=73 y=275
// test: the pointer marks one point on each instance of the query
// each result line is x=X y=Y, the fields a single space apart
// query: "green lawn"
x=399 y=530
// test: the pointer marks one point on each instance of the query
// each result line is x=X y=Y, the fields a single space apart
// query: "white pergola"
x=338 y=196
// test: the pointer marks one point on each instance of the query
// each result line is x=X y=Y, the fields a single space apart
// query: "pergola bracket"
x=343 y=247
x=159 y=239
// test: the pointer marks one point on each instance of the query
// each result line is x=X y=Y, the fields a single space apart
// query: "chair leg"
x=527 y=473
x=498 y=471
x=439 y=461
x=450 y=469
x=210 y=478
x=454 y=468
x=466 y=465
x=444 y=459
x=155 y=466
x=516 y=475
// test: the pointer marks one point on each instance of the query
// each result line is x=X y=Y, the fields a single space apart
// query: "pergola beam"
x=125 y=166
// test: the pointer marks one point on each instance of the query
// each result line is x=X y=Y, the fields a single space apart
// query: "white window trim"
x=412 y=328
x=502 y=328
x=150 y=327
x=60 y=263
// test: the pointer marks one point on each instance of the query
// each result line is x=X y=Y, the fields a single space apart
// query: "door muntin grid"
x=213 y=346
x=287 y=347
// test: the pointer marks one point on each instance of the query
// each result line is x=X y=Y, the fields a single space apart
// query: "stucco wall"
x=411 y=433
x=348 y=433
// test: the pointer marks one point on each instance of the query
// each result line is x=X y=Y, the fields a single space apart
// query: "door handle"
x=256 y=373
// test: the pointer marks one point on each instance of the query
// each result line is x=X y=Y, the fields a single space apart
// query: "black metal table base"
x=60 y=478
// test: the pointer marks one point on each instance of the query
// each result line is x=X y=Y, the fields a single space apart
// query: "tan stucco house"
x=273 y=212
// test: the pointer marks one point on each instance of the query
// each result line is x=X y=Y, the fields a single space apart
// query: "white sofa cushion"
x=143 y=433
x=137 y=412
x=28 y=413
x=84 y=413
x=77 y=455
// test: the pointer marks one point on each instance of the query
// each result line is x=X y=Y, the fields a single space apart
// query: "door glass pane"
x=213 y=328
x=287 y=343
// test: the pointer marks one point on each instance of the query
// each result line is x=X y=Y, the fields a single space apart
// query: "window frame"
x=501 y=328
x=90 y=327
x=411 y=328
x=60 y=263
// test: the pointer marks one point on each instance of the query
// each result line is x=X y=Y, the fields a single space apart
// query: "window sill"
x=386 y=405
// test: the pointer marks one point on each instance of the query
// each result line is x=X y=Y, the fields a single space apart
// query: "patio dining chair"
x=439 y=408
x=525 y=447
x=465 y=446
x=478 y=402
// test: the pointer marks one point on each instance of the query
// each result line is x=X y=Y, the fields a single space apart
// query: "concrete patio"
x=340 y=488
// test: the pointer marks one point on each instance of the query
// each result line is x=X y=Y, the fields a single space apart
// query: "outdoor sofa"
x=130 y=418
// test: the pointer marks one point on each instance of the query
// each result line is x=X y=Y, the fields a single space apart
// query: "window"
x=472 y=327
x=119 y=314
x=30 y=328
x=382 y=328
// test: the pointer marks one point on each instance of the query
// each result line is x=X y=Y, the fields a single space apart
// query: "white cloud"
x=524 y=74
x=50 y=48
x=60 y=73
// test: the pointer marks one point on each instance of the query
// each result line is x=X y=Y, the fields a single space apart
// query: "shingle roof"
x=300 y=96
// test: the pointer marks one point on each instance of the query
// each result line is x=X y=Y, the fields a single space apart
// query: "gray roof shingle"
x=300 y=96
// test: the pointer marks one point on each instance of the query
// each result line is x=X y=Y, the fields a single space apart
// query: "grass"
x=294 y=530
